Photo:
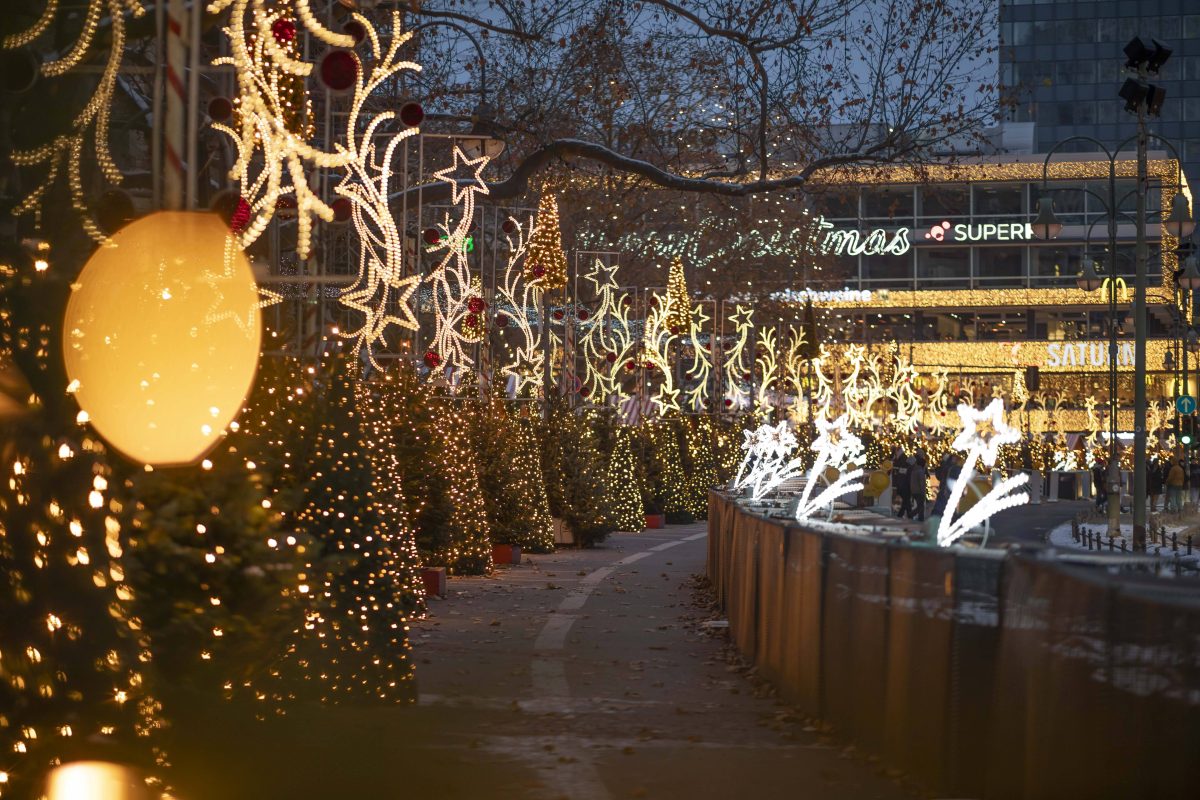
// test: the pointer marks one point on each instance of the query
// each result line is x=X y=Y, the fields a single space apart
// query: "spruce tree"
x=702 y=464
x=624 y=495
x=352 y=642
x=74 y=657
x=546 y=263
x=511 y=478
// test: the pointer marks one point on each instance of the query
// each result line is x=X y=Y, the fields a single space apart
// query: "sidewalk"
x=583 y=674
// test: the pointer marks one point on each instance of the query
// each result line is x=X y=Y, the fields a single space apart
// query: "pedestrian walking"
x=918 y=486
x=1154 y=481
x=1100 y=484
x=1194 y=483
x=1175 y=487
x=900 y=468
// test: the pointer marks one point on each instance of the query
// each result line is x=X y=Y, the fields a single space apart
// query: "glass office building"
x=1063 y=61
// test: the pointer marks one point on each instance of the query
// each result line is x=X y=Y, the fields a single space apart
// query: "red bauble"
x=558 y=314
x=674 y=330
x=284 y=30
x=584 y=391
x=728 y=402
x=339 y=70
x=649 y=365
x=654 y=302
x=708 y=345
x=508 y=226
x=610 y=357
x=628 y=301
x=220 y=109
x=431 y=236
x=539 y=271
x=412 y=114
x=341 y=209
x=472 y=320
x=476 y=304
x=629 y=365
x=747 y=376
x=356 y=30
x=432 y=359
x=502 y=320
x=241 y=216
x=582 y=314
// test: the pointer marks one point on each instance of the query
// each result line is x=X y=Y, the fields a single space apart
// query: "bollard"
x=1189 y=544
x=1174 y=542
x=1122 y=545
x=1111 y=546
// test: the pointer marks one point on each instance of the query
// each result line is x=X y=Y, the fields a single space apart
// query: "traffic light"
x=1187 y=431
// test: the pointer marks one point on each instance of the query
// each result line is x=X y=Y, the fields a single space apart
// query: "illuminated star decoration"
x=982 y=435
x=657 y=341
x=515 y=297
x=701 y=368
x=381 y=291
x=835 y=447
x=608 y=340
x=248 y=322
x=735 y=366
x=450 y=280
x=766 y=465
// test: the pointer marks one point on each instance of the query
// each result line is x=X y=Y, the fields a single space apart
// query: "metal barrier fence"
x=982 y=673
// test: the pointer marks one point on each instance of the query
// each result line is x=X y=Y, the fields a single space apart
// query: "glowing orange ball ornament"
x=162 y=335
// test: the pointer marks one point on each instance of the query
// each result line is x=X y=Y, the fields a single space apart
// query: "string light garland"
x=657 y=341
x=273 y=161
x=95 y=116
x=701 y=367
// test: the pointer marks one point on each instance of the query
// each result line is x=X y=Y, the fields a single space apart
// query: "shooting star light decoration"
x=982 y=435
x=835 y=447
x=767 y=465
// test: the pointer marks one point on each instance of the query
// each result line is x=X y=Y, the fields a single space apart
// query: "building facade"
x=1063 y=61
x=943 y=263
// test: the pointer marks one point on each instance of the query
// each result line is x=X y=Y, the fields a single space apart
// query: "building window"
x=999 y=199
x=945 y=201
x=1001 y=266
x=1055 y=266
x=892 y=203
x=888 y=271
x=947 y=266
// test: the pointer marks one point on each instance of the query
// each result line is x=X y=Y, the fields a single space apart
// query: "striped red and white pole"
x=174 y=170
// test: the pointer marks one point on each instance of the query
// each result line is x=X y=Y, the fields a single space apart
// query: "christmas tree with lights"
x=679 y=317
x=546 y=262
x=74 y=656
x=624 y=495
x=456 y=514
x=352 y=642
x=511 y=478
x=702 y=465
x=574 y=471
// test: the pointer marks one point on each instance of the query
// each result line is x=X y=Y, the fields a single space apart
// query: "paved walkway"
x=585 y=674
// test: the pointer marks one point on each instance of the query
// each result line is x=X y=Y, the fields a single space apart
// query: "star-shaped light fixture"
x=985 y=431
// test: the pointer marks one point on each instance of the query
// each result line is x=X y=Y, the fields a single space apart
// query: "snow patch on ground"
x=1061 y=537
